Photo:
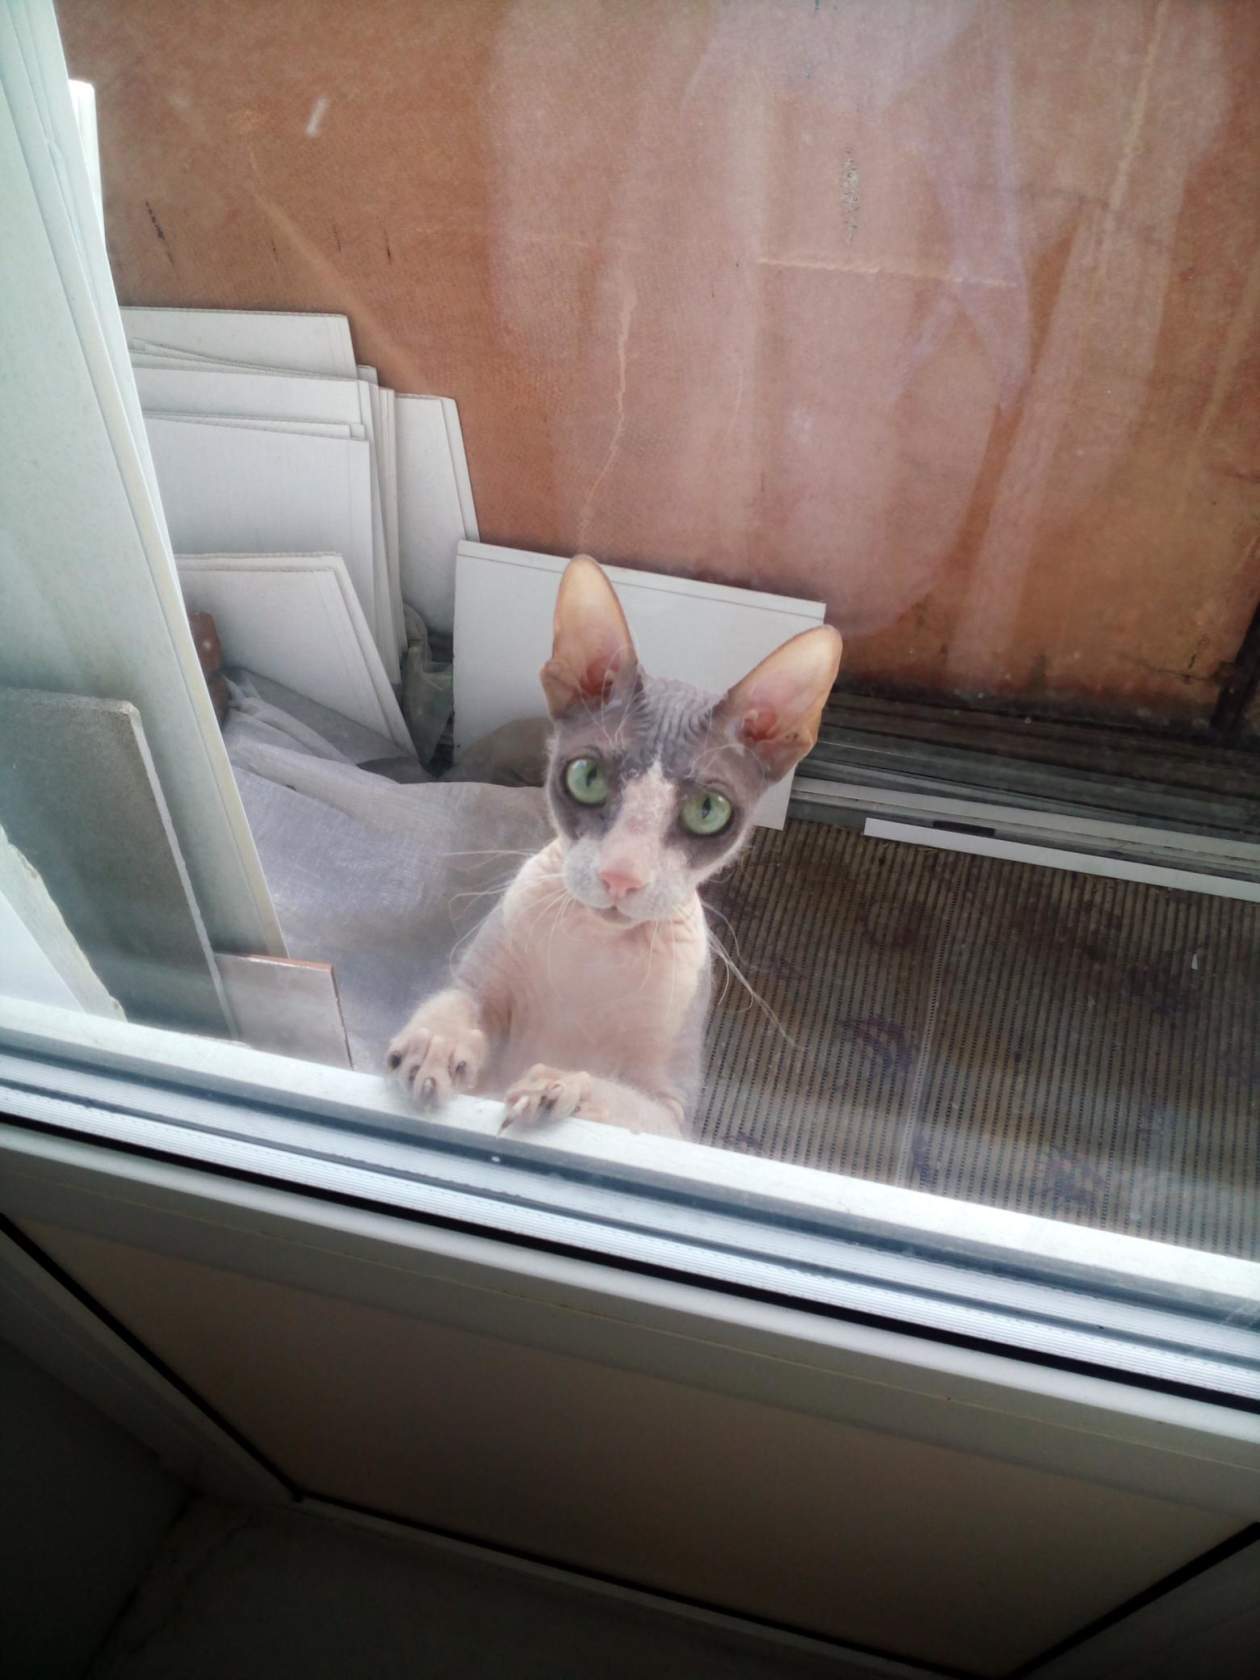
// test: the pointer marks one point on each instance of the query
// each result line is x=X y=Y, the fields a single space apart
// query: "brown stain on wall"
x=947 y=315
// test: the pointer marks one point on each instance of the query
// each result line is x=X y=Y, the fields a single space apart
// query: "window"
x=309 y=410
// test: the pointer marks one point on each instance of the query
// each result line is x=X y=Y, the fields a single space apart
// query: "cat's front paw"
x=545 y=1093
x=435 y=1056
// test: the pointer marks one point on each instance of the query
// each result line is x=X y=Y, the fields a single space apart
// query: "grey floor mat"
x=1064 y=1045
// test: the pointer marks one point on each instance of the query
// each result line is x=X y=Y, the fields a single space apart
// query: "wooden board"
x=286 y=1006
x=873 y=325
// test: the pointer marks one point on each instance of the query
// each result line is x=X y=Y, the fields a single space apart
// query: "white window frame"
x=121 y=1130
x=385 y=1230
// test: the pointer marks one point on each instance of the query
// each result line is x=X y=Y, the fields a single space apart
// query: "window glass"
x=886 y=807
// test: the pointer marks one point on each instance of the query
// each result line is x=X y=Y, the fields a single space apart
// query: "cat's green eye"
x=586 y=781
x=706 y=812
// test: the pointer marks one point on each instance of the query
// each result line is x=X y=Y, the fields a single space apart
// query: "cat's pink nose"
x=620 y=883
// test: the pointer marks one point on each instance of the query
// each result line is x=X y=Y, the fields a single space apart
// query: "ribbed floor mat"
x=1060 y=1044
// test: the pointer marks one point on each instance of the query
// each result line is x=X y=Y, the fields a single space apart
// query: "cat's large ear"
x=593 y=656
x=775 y=710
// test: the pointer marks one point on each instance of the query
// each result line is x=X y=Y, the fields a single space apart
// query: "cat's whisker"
x=492 y=851
x=560 y=906
x=728 y=968
x=489 y=892
x=466 y=897
x=713 y=910
x=471 y=933
x=551 y=915
x=726 y=975
x=481 y=892
x=756 y=997
x=647 y=971
x=495 y=891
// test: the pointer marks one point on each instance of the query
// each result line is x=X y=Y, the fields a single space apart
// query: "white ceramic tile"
x=262 y=423
x=246 y=393
x=275 y=401
x=387 y=456
x=388 y=595
x=144 y=353
x=252 y=491
x=306 y=343
x=431 y=522
x=459 y=461
x=296 y=619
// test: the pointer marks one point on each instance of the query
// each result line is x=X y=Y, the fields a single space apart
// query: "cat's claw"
x=512 y=1111
x=544 y=1093
x=433 y=1065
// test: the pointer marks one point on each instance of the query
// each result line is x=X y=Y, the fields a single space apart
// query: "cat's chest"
x=584 y=993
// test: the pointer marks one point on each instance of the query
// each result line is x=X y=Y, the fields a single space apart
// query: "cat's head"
x=652 y=782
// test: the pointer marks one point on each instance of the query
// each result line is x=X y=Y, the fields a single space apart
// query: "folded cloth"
x=382 y=879
x=271 y=712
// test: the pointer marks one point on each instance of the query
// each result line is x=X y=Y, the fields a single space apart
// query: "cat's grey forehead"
x=661 y=722
x=671 y=715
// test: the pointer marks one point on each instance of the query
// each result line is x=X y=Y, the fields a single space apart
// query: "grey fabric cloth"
x=379 y=878
x=398 y=769
x=268 y=711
